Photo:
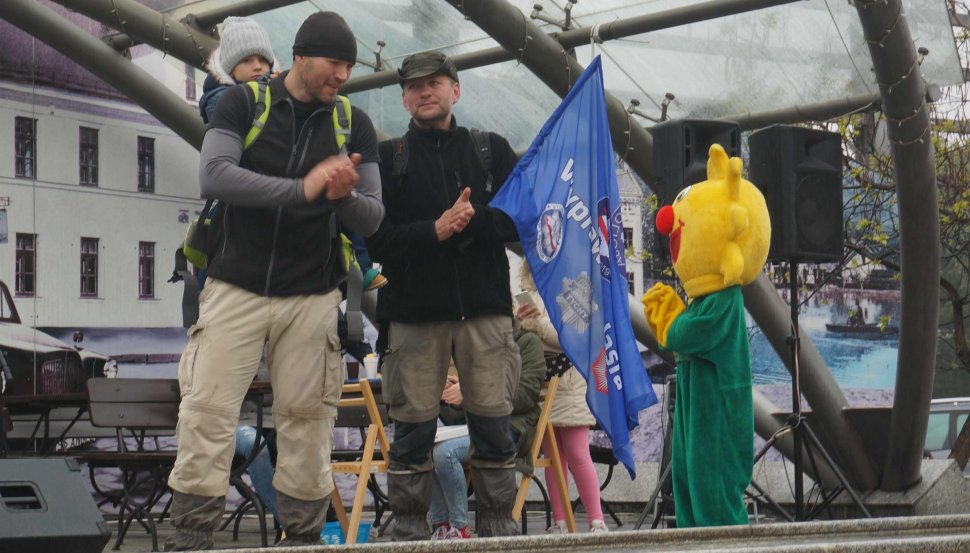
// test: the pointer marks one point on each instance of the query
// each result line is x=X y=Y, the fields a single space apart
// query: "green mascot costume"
x=719 y=236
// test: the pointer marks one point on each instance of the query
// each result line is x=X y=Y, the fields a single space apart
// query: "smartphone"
x=524 y=298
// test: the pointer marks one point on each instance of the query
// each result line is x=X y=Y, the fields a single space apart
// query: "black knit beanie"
x=326 y=35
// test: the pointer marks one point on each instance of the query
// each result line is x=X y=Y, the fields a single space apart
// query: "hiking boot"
x=495 y=490
x=302 y=520
x=194 y=518
x=373 y=279
x=409 y=494
x=598 y=527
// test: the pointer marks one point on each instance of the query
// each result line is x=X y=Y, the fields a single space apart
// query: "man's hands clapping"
x=456 y=218
x=334 y=178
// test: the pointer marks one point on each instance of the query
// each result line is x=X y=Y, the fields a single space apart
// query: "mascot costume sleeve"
x=719 y=236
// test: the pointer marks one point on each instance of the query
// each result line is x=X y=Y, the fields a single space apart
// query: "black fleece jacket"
x=276 y=243
x=468 y=274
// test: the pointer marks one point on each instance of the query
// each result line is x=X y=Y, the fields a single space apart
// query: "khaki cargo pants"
x=416 y=366
x=220 y=361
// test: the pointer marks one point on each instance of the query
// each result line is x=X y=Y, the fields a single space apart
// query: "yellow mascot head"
x=719 y=229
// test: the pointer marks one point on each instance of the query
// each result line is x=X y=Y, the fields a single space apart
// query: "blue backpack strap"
x=483 y=147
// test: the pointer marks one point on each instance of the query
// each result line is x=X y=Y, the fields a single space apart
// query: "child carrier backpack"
x=204 y=234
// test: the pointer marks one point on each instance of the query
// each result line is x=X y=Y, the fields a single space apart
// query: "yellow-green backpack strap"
x=341 y=123
x=349 y=257
x=261 y=94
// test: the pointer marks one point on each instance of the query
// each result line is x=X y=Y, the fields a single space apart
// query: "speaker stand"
x=664 y=479
x=802 y=434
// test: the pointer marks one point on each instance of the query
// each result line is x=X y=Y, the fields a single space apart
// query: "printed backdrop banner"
x=564 y=199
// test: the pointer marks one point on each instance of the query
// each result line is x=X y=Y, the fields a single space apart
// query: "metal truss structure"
x=902 y=98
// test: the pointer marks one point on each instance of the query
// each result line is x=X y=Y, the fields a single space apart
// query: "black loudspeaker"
x=680 y=152
x=799 y=171
x=46 y=507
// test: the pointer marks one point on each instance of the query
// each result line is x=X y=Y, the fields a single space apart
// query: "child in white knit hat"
x=245 y=53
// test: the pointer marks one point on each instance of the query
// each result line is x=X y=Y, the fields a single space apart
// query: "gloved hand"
x=661 y=305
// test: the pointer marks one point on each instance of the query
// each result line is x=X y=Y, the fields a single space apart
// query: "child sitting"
x=245 y=54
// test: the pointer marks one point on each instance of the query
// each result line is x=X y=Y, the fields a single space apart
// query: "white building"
x=631 y=208
x=95 y=194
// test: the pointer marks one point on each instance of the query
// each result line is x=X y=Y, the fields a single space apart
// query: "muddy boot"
x=495 y=491
x=194 y=518
x=409 y=495
x=302 y=520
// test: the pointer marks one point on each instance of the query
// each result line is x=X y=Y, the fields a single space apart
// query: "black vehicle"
x=33 y=363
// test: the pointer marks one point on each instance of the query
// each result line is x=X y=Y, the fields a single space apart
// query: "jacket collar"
x=435 y=134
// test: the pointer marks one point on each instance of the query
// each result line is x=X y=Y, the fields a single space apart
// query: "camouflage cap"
x=423 y=64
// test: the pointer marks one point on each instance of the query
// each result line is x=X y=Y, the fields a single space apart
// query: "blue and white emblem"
x=549 y=232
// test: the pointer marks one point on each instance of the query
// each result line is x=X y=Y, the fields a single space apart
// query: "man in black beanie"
x=273 y=282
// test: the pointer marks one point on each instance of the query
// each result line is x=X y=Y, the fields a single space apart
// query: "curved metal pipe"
x=577 y=37
x=145 y=25
x=904 y=106
x=819 y=111
x=100 y=59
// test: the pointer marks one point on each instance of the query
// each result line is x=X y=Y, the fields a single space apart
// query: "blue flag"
x=564 y=200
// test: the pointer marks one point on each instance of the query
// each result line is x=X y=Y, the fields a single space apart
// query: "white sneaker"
x=462 y=533
x=598 y=527
x=441 y=532
x=558 y=527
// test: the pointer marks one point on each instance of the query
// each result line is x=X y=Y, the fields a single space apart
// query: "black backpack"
x=483 y=147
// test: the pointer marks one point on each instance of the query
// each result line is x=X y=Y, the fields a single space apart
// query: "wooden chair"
x=544 y=432
x=136 y=408
x=359 y=408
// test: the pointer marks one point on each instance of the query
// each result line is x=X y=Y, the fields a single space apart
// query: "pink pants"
x=573 y=444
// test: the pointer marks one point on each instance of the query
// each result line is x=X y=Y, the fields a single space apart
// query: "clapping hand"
x=455 y=218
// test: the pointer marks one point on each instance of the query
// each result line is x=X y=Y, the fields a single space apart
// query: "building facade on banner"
x=631 y=208
x=95 y=194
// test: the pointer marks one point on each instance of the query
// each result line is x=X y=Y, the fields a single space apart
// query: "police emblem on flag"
x=576 y=302
x=549 y=232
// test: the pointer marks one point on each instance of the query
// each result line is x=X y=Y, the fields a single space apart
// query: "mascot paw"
x=661 y=305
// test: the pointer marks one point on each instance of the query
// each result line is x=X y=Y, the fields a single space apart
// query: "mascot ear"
x=732 y=264
x=734 y=178
x=717 y=163
x=738 y=220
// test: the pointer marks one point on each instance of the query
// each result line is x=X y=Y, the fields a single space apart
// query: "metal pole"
x=206 y=21
x=820 y=111
x=558 y=70
x=796 y=391
x=894 y=59
x=675 y=17
x=578 y=37
x=203 y=20
x=98 y=58
x=143 y=24
x=816 y=382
